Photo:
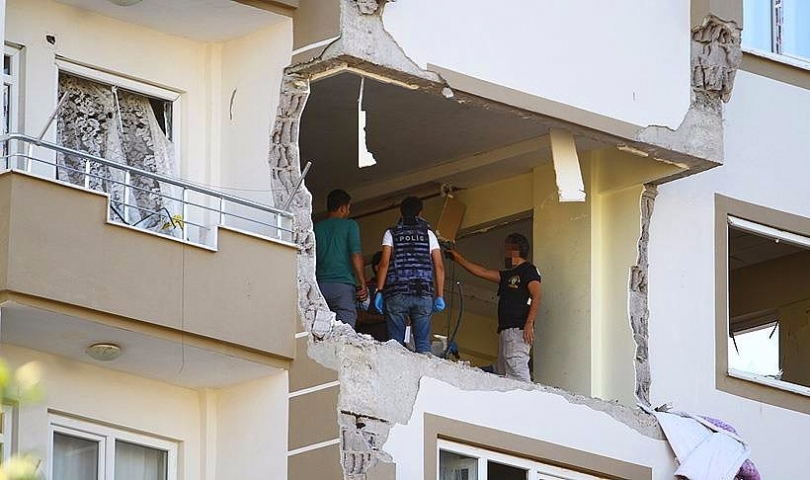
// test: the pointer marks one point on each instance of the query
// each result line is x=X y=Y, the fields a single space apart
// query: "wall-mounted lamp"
x=103 y=352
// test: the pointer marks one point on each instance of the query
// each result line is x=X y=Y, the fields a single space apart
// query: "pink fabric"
x=748 y=471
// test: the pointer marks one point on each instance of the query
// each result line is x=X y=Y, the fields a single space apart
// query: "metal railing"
x=145 y=200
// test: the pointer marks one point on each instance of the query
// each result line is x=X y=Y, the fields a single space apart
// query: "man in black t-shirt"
x=518 y=304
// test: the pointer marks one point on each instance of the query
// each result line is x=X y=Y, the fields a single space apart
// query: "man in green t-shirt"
x=339 y=259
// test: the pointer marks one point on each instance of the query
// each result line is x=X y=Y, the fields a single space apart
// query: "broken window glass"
x=756 y=351
x=769 y=303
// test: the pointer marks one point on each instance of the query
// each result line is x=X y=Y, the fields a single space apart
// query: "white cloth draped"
x=119 y=126
x=704 y=451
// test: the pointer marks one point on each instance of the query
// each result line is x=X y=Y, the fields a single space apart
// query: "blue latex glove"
x=378 y=301
x=438 y=304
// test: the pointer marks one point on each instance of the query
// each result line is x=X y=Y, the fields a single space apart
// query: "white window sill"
x=775 y=57
x=769 y=382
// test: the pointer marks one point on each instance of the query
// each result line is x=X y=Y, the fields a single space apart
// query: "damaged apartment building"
x=163 y=162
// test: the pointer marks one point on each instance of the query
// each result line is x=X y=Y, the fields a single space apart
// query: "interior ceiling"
x=201 y=20
x=746 y=249
x=406 y=131
x=143 y=355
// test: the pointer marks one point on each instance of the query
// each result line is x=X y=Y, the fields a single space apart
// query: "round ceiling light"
x=125 y=3
x=103 y=352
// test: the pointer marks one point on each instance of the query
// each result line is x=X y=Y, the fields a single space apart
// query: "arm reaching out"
x=475 y=269
x=438 y=274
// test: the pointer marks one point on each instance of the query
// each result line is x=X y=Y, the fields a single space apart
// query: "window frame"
x=438 y=428
x=534 y=469
x=107 y=436
x=762 y=221
x=142 y=87
x=775 y=52
x=13 y=81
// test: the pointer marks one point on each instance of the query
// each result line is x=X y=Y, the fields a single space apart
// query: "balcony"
x=74 y=271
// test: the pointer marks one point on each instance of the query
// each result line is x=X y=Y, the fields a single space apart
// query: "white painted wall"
x=767 y=163
x=252 y=68
x=252 y=429
x=542 y=416
x=3 y=19
x=623 y=59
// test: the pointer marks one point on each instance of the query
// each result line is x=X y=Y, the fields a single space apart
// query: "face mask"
x=507 y=262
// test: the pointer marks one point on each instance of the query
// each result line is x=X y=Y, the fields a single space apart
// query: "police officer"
x=410 y=279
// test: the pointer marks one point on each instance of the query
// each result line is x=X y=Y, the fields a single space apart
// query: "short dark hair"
x=521 y=242
x=336 y=199
x=410 y=207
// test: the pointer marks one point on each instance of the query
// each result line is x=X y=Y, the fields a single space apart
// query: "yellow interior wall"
x=584 y=252
x=562 y=252
x=617 y=185
x=485 y=203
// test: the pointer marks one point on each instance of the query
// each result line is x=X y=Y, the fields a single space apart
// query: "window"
x=127 y=122
x=6 y=431
x=85 y=451
x=768 y=304
x=778 y=26
x=11 y=63
x=463 y=462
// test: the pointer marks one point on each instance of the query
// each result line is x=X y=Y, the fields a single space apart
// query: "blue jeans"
x=342 y=299
x=399 y=308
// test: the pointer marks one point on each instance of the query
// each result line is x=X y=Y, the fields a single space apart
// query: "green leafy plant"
x=23 y=386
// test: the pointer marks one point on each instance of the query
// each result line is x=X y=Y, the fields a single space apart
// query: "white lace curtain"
x=119 y=126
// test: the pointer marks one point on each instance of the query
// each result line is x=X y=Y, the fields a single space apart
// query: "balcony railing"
x=145 y=200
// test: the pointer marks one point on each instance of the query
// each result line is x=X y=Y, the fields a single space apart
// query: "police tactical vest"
x=410 y=271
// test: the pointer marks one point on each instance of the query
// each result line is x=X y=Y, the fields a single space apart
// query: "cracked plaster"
x=638 y=299
x=368 y=369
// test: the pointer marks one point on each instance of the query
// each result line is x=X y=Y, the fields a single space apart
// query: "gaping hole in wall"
x=769 y=303
x=497 y=161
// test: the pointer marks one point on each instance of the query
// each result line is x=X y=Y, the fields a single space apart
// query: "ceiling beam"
x=568 y=172
x=283 y=7
x=453 y=167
